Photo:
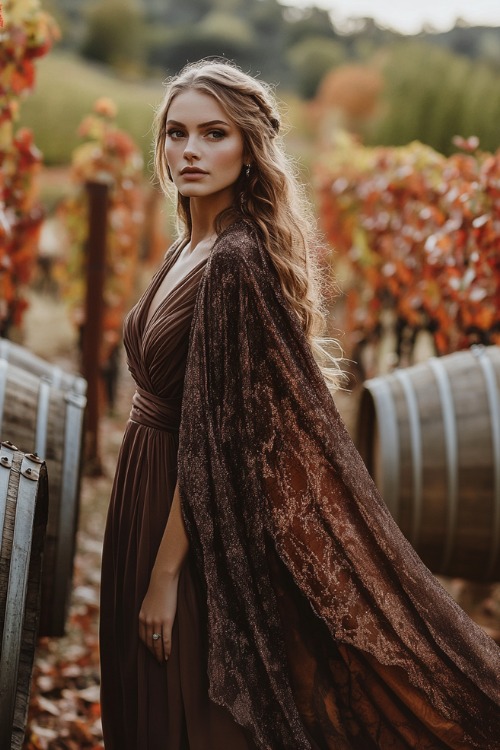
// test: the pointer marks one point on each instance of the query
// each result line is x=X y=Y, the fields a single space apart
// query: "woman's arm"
x=158 y=609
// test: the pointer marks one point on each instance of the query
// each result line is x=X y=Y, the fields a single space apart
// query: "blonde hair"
x=270 y=195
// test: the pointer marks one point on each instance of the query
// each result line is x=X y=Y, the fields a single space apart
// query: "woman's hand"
x=157 y=614
x=158 y=609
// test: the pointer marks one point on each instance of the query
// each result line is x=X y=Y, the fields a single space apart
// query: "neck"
x=203 y=216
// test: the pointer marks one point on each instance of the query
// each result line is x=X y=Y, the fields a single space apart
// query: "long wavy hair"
x=270 y=195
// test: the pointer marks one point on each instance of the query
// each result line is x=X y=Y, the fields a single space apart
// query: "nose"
x=192 y=150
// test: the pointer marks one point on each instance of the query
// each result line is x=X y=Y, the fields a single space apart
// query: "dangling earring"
x=245 y=188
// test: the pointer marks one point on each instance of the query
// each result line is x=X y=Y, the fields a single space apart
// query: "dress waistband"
x=152 y=411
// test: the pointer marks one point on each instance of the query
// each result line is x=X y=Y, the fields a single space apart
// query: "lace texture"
x=325 y=628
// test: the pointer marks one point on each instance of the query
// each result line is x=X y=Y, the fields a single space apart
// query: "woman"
x=256 y=593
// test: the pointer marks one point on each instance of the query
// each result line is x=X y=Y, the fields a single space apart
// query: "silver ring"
x=156 y=636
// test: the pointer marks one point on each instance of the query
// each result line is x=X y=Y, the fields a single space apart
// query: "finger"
x=148 y=637
x=157 y=643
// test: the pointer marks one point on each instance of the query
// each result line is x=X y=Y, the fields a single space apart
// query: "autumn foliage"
x=27 y=33
x=421 y=236
x=107 y=154
x=349 y=93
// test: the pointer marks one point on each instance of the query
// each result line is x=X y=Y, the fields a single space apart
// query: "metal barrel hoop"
x=389 y=443
x=416 y=452
x=451 y=449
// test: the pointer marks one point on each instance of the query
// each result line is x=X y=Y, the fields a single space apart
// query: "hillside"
x=66 y=88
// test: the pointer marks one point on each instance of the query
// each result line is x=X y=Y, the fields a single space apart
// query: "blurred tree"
x=276 y=26
x=477 y=42
x=364 y=36
x=432 y=95
x=251 y=33
x=172 y=12
x=310 y=59
x=267 y=19
x=159 y=39
x=115 y=34
x=231 y=6
x=308 y=22
x=217 y=34
x=221 y=24
x=489 y=47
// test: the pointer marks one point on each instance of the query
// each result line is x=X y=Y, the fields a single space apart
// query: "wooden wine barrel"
x=26 y=360
x=42 y=418
x=23 y=520
x=430 y=437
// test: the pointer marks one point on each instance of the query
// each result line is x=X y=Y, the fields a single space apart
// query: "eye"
x=175 y=133
x=216 y=135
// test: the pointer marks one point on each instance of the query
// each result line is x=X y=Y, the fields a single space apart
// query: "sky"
x=409 y=16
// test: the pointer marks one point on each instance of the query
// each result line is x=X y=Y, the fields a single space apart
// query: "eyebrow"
x=201 y=125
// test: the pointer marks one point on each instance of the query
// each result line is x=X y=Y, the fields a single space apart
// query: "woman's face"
x=204 y=148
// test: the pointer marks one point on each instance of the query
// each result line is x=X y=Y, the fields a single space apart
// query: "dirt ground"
x=64 y=711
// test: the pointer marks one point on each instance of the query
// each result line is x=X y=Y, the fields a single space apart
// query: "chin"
x=192 y=191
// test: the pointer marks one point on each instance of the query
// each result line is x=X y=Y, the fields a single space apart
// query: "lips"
x=193 y=170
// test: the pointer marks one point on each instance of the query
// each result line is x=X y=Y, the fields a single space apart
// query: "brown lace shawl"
x=265 y=463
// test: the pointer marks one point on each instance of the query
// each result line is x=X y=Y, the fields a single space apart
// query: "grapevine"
x=420 y=234
x=27 y=33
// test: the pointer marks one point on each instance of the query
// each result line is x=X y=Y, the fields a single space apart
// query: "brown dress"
x=146 y=706
x=305 y=620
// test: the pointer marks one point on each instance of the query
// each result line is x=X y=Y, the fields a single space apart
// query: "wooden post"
x=155 y=234
x=97 y=194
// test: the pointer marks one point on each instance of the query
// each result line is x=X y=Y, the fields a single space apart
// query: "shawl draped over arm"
x=314 y=598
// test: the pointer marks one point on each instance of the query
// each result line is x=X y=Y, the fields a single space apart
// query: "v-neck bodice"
x=147 y=315
x=157 y=348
